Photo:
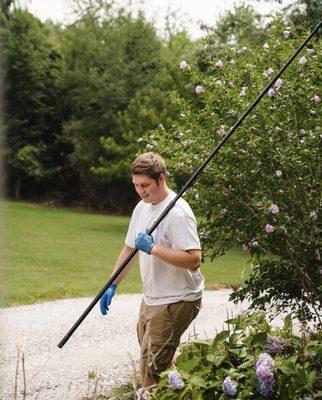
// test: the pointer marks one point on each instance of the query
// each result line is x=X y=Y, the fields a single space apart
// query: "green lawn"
x=52 y=253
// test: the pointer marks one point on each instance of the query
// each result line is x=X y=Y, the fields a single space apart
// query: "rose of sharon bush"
x=275 y=166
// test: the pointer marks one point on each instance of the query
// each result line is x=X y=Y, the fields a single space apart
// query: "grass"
x=53 y=253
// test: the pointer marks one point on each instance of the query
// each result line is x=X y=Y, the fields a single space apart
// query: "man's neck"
x=163 y=195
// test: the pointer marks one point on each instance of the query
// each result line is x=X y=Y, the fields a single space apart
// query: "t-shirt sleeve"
x=183 y=233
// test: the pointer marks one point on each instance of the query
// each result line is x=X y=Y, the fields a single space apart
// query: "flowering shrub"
x=236 y=364
x=262 y=191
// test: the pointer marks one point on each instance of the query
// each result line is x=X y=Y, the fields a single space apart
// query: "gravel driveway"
x=105 y=345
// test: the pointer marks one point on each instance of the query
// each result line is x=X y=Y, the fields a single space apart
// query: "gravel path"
x=105 y=345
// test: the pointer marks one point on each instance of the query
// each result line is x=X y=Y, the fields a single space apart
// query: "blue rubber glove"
x=106 y=299
x=144 y=242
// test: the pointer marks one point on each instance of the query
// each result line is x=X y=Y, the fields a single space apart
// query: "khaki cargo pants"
x=159 y=330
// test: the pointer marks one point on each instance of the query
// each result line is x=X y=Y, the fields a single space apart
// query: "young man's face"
x=150 y=190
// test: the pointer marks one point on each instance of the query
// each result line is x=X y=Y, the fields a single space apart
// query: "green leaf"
x=220 y=337
x=198 y=381
x=190 y=364
x=288 y=369
x=288 y=322
x=258 y=339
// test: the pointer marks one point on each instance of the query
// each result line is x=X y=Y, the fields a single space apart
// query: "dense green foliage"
x=293 y=361
x=262 y=192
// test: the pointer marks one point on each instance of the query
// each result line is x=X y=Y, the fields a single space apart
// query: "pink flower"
x=183 y=65
x=269 y=228
x=303 y=60
x=199 y=89
x=316 y=98
x=278 y=83
x=271 y=92
x=222 y=131
x=273 y=208
x=219 y=64
x=243 y=91
x=246 y=248
x=278 y=173
x=286 y=33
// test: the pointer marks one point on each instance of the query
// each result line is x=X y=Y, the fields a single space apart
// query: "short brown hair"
x=150 y=164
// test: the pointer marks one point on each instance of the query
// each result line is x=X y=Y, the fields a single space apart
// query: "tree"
x=33 y=114
x=262 y=191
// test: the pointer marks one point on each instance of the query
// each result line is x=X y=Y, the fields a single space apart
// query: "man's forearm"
x=179 y=258
x=123 y=255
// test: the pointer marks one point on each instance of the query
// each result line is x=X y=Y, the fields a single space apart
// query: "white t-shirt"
x=164 y=283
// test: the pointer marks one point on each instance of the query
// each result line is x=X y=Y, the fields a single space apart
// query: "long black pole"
x=187 y=185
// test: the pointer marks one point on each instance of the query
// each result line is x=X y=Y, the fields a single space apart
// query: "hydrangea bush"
x=261 y=193
x=250 y=360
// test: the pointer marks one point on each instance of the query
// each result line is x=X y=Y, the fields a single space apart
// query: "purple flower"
x=278 y=83
x=269 y=228
x=243 y=91
x=246 y=248
x=273 y=208
x=303 y=60
x=222 y=131
x=228 y=387
x=183 y=65
x=271 y=92
x=278 y=173
x=264 y=372
x=316 y=98
x=175 y=381
x=199 y=89
x=179 y=134
x=273 y=345
x=254 y=243
x=219 y=64
x=286 y=33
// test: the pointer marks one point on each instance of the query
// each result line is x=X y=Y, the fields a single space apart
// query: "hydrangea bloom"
x=273 y=208
x=273 y=345
x=303 y=60
x=271 y=92
x=264 y=372
x=269 y=228
x=175 y=381
x=183 y=64
x=228 y=387
x=199 y=89
x=278 y=173
x=278 y=83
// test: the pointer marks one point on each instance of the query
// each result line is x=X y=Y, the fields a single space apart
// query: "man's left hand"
x=144 y=242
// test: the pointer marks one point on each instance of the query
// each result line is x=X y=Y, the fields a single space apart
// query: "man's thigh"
x=159 y=332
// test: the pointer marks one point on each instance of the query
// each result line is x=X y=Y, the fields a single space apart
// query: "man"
x=169 y=265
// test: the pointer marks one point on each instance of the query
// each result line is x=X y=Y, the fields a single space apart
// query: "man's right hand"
x=106 y=299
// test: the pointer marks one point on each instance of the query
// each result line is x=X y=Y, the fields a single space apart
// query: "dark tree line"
x=79 y=98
